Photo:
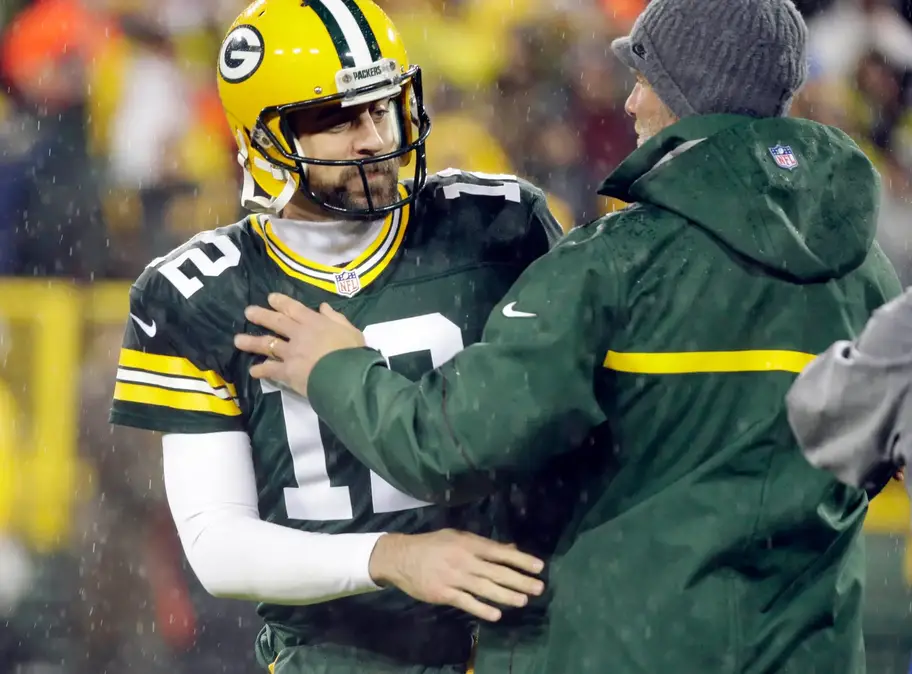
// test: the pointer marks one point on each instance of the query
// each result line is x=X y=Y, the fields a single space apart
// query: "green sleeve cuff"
x=327 y=388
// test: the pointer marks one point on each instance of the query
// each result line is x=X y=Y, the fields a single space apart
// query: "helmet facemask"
x=274 y=139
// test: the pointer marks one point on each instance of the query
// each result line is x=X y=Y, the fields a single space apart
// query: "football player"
x=327 y=111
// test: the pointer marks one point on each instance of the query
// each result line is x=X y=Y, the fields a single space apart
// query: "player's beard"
x=347 y=191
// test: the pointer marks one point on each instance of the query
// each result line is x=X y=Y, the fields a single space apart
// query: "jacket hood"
x=794 y=196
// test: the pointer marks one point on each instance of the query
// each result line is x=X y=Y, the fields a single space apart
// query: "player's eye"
x=339 y=127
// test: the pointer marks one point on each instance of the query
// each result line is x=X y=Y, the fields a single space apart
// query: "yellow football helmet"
x=280 y=56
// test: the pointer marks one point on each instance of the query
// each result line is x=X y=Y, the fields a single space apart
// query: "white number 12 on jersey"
x=315 y=498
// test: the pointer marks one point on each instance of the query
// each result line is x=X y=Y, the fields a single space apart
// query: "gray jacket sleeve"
x=851 y=408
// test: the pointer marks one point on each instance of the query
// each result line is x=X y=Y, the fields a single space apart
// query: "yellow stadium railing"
x=889 y=512
x=107 y=303
x=39 y=465
x=9 y=413
x=44 y=465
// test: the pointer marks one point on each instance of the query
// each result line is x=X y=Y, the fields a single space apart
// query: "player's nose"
x=368 y=139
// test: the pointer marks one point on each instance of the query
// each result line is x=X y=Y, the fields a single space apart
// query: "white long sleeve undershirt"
x=211 y=489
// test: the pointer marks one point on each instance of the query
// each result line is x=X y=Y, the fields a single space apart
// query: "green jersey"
x=420 y=293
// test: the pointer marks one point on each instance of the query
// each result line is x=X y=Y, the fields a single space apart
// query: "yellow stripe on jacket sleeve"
x=708 y=362
x=180 y=400
x=174 y=366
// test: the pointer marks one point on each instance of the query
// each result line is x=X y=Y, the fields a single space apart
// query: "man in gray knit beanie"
x=699 y=57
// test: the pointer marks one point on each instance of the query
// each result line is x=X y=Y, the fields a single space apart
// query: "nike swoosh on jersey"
x=148 y=328
x=510 y=312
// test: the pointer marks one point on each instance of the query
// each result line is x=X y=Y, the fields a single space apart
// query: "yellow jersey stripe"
x=366 y=278
x=328 y=286
x=381 y=237
x=328 y=269
x=179 y=400
x=708 y=361
x=391 y=253
x=173 y=366
x=268 y=233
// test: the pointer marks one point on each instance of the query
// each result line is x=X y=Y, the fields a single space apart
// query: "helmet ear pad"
x=266 y=187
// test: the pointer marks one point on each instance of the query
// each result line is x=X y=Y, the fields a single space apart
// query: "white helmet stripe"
x=352 y=32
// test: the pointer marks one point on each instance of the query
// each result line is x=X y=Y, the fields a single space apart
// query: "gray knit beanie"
x=719 y=56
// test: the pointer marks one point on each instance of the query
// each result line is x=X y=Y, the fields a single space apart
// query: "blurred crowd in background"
x=113 y=150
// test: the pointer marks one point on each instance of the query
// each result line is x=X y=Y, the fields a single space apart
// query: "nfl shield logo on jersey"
x=347 y=283
x=784 y=157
